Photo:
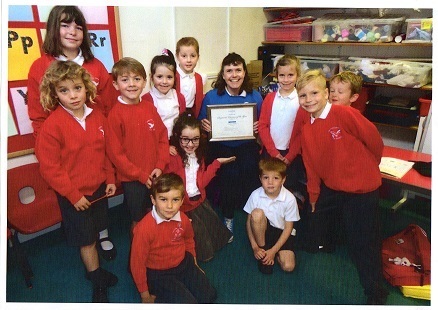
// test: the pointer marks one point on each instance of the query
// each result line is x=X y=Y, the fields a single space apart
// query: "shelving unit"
x=368 y=50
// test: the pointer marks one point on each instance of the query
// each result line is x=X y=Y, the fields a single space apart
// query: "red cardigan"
x=342 y=150
x=203 y=177
x=265 y=133
x=199 y=95
x=72 y=160
x=106 y=92
x=138 y=140
x=159 y=246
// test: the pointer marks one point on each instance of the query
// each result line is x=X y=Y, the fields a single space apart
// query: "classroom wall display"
x=26 y=32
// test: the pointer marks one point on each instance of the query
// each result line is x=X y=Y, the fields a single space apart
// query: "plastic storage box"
x=402 y=73
x=358 y=28
x=329 y=66
x=418 y=30
x=291 y=32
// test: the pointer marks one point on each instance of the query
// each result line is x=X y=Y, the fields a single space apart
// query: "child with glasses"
x=139 y=147
x=189 y=163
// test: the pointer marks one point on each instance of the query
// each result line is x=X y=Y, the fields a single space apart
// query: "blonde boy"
x=345 y=88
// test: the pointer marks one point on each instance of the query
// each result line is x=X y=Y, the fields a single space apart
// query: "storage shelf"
x=363 y=44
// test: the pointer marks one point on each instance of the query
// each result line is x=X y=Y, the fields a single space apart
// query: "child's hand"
x=147 y=298
x=280 y=157
x=82 y=204
x=154 y=174
x=226 y=160
x=110 y=189
x=255 y=127
x=313 y=204
x=206 y=126
x=259 y=253
x=269 y=257
x=172 y=150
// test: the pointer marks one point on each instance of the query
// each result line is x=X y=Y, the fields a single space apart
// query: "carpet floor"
x=318 y=279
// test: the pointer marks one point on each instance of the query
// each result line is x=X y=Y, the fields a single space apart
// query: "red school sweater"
x=137 y=141
x=159 y=246
x=72 y=160
x=100 y=76
x=265 y=133
x=203 y=178
x=343 y=151
x=199 y=94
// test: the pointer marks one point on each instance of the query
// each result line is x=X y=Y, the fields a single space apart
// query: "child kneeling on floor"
x=163 y=258
x=272 y=211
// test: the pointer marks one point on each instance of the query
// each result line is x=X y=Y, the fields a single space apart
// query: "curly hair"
x=59 y=71
x=232 y=59
x=185 y=120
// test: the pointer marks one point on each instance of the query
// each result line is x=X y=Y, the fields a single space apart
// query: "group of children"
x=155 y=145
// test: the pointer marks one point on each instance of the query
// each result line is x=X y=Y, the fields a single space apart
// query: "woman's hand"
x=206 y=126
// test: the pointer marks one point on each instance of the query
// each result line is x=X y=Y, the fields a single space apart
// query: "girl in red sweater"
x=189 y=163
x=71 y=149
x=65 y=34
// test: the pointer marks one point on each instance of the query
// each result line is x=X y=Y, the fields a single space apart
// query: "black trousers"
x=235 y=181
x=184 y=284
x=358 y=215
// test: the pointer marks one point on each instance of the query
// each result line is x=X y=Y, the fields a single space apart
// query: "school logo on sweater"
x=95 y=80
x=336 y=133
x=151 y=124
x=102 y=131
x=177 y=233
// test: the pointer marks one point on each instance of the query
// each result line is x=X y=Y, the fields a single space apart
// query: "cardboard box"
x=255 y=72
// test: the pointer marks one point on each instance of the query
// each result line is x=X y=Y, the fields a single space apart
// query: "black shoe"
x=100 y=294
x=109 y=278
x=102 y=278
x=266 y=269
x=106 y=254
x=379 y=298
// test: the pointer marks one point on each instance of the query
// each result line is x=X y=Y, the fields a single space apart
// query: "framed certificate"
x=231 y=121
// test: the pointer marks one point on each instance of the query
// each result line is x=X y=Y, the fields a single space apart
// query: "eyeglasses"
x=185 y=140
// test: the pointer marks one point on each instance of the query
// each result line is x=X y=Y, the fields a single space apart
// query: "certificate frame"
x=230 y=122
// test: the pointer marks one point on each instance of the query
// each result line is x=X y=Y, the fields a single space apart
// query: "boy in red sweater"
x=139 y=147
x=71 y=149
x=163 y=258
x=341 y=151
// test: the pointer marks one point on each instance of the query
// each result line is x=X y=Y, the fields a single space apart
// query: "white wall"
x=145 y=31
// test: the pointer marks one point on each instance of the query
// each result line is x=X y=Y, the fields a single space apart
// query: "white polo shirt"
x=279 y=210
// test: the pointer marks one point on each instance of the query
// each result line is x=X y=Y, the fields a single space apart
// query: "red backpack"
x=406 y=257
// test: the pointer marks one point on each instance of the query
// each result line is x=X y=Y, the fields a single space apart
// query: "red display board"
x=26 y=32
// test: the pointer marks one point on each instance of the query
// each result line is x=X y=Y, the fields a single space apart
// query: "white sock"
x=106 y=245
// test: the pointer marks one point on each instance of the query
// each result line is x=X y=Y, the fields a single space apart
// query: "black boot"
x=104 y=277
x=101 y=280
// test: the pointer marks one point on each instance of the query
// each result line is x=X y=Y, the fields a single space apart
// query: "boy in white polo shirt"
x=272 y=211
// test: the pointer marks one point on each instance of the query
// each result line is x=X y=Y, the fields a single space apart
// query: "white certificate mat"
x=231 y=121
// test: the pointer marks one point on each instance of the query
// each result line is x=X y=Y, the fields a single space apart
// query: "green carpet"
x=318 y=279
